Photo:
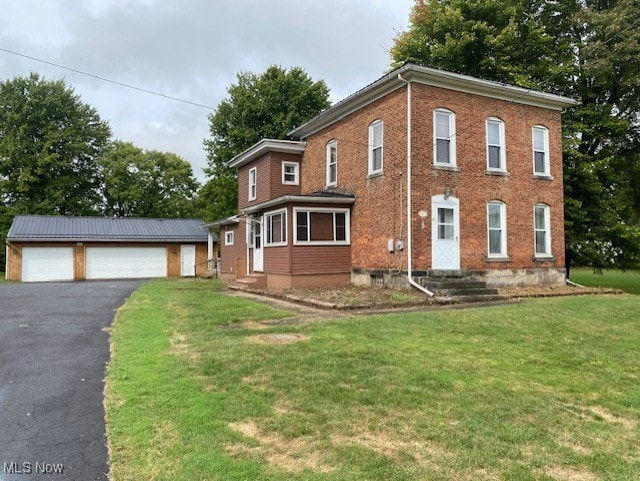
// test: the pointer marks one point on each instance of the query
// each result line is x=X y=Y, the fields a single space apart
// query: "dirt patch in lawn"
x=567 y=473
x=292 y=455
x=281 y=338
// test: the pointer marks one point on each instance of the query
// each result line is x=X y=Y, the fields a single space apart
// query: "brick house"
x=422 y=173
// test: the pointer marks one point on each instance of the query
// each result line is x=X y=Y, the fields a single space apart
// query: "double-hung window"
x=444 y=135
x=541 y=151
x=332 y=164
x=253 y=179
x=542 y=230
x=496 y=154
x=228 y=238
x=290 y=173
x=497 y=229
x=321 y=226
x=276 y=228
x=375 y=147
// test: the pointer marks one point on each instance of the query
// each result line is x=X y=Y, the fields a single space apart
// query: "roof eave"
x=436 y=78
x=265 y=146
x=301 y=199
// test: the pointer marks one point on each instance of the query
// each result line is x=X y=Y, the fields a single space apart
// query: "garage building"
x=63 y=248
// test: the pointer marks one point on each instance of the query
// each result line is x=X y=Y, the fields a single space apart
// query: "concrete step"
x=482 y=291
x=253 y=281
x=463 y=283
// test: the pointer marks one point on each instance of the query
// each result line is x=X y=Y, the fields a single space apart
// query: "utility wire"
x=104 y=79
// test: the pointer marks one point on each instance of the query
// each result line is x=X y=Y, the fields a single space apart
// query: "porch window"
x=542 y=230
x=321 y=226
x=444 y=135
x=497 y=229
x=253 y=174
x=495 y=145
x=541 y=151
x=332 y=164
x=290 y=174
x=375 y=147
x=276 y=225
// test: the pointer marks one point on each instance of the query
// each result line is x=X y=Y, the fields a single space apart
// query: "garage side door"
x=125 y=262
x=47 y=264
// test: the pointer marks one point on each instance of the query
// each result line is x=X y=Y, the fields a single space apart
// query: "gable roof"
x=30 y=228
x=434 y=77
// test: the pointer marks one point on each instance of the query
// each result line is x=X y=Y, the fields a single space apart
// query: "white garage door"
x=125 y=262
x=47 y=264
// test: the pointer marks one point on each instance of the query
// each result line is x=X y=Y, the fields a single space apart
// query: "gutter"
x=409 y=233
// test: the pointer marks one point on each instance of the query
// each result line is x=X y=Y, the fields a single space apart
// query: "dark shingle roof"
x=112 y=229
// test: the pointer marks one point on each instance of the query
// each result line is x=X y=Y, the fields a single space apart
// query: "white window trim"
x=547 y=228
x=372 y=147
x=229 y=238
x=266 y=229
x=503 y=230
x=452 y=138
x=503 y=148
x=547 y=160
x=347 y=222
x=330 y=144
x=253 y=186
x=296 y=173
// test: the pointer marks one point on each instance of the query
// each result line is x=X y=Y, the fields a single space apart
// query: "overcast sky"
x=193 y=49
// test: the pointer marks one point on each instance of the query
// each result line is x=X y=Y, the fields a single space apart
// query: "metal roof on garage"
x=43 y=228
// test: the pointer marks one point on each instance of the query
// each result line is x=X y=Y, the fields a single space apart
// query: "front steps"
x=252 y=281
x=456 y=286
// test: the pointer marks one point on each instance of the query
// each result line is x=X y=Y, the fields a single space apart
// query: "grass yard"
x=628 y=281
x=200 y=389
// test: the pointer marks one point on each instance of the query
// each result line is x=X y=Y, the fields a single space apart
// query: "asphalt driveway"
x=53 y=353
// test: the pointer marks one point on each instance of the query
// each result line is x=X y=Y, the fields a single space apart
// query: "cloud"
x=194 y=50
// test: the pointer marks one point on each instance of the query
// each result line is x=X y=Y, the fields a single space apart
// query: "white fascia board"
x=434 y=77
x=301 y=199
x=264 y=146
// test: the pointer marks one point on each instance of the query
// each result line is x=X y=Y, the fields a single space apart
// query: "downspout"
x=409 y=233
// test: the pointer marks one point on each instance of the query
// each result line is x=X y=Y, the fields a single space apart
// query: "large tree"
x=589 y=49
x=50 y=143
x=267 y=105
x=138 y=183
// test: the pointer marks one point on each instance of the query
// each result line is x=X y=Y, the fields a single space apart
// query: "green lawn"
x=628 y=281
x=539 y=390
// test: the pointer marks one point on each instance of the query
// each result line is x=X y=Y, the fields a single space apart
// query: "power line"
x=104 y=79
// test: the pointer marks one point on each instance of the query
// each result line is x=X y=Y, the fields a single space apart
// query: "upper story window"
x=541 y=150
x=542 y=230
x=276 y=228
x=253 y=178
x=332 y=164
x=496 y=152
x=228 y=238
x=375 y=147
x=290 y=173
x=321 y=226
x=496 y=229
x=444 y=135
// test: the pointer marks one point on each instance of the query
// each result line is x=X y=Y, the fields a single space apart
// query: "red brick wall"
x=379 y=212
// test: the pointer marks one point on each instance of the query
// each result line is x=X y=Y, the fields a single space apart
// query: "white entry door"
x=258 y=259
x=445 y=233
x=188 y=260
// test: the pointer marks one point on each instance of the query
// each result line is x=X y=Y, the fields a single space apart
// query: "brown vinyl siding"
x=268 y=178
x=321 y=259
x=277 y=260
x=230 y=254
